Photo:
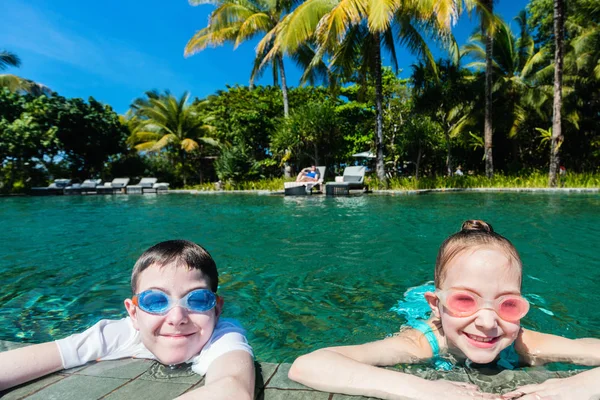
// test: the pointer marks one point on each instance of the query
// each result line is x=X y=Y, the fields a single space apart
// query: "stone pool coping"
x=402 y=192
x=136 y=378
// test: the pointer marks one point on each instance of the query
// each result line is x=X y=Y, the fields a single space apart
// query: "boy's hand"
x=572 y=388
x=449 y=390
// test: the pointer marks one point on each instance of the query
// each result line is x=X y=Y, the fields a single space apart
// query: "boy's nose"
x=486 y=319
x=177 y=315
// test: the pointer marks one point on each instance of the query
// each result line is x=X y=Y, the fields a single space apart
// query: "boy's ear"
x=434 y=303
x=219 y=306
x=132 y=311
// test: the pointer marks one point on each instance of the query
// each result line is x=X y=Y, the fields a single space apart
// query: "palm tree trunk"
x=284 y=91
x=557 y=137
x=418 y=164
x=487 y=129
x=449 y=166
x=183 y=172
x=379 y=109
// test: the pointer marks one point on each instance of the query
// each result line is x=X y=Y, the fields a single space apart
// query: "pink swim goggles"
x=461 y=303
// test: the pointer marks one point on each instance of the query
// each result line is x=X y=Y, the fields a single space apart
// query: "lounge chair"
x=143 y=186
x=116 y=186
x=304 y=188
x=56 y=187
x=353 y=178
x=88 y=186
x=159 y=187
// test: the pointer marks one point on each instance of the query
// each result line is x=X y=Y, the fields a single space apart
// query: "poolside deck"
x=149 y=380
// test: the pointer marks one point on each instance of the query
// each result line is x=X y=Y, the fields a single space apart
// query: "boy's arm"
x=538 y=348
x=28 y=363
x=230 y=376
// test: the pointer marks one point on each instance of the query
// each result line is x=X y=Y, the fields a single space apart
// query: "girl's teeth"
x=480 y=339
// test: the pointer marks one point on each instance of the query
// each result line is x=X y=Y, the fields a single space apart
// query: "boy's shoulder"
x=227 y=336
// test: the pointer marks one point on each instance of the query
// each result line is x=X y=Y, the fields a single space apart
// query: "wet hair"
x=473 y=234
x=179 y=253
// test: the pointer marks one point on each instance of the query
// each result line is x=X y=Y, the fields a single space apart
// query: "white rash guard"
x=114 y=339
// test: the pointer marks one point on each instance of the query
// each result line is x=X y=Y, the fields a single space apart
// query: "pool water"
x=299 y=273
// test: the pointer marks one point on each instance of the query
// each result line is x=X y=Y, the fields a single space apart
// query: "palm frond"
x=8 y=59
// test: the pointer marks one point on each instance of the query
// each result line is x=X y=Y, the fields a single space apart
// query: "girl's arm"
x=538 y=348
x=230 y=376
x=28 y=363
x=352 y=370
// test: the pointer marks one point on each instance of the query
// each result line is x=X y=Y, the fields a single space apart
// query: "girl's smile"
x=487 y=273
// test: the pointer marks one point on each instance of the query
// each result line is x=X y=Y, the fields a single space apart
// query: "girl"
x=476 y=311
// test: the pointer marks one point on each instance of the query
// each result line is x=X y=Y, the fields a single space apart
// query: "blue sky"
x=116 y=50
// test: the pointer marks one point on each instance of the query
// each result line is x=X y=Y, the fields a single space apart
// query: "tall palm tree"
x=488 y=5
x=236 y=21
x=336 y=27
x=557 y=137
x=485 y=10
x=448 y=98
x=518 y=70
x=163 y=121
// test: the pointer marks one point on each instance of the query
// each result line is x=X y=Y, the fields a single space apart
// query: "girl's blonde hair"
x=473 y=234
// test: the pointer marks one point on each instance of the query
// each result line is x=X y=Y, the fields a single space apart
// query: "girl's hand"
x=449 y=390
x=572 y=388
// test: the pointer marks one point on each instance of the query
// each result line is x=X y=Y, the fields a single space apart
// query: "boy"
x=173 y=318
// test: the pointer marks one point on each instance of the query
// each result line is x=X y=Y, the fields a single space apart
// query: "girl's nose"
x=177 y=316
x=486 y=319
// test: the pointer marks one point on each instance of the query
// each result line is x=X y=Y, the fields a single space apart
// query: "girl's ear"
x=434 y=303
x=219 y=306
x=132 y=311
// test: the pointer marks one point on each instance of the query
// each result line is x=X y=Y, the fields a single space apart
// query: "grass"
x=271 y=184
x=535 y=179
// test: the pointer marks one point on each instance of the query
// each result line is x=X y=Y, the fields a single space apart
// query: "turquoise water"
x=300 y=273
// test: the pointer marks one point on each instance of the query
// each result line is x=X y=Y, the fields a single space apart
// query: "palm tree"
x=163 y=121
x=488 y=5
x=351 y=30
x=447 y=98
x=485 y=11
x=15 y=83
x=557 y=137
x=236 y=21
x=518 y=69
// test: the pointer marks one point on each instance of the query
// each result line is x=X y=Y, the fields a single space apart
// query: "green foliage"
x=270 y=184
x=162 y=122
x=535 y=179
x=51 y=136
x=311 y=135
x=235 y=165
x=244 y=117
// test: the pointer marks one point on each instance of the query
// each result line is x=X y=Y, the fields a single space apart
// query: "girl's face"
x=489 y=273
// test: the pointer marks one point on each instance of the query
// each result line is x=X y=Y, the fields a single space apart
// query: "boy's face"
x=180 y=334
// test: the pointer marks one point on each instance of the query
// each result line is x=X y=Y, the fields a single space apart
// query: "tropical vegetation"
x=527 y=89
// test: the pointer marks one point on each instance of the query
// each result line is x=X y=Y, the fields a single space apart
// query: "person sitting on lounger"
x=309 y=174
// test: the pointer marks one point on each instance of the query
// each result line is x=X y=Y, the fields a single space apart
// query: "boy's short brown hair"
x=181 y=253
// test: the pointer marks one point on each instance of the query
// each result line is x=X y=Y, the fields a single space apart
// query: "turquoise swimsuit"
x=509 y=359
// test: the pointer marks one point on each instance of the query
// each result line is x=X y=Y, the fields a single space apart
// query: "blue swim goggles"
x=155 y=301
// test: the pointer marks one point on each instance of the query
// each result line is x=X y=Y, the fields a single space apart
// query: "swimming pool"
x=300 y=273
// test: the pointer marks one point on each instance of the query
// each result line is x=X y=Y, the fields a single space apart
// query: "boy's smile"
x=180 y=334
